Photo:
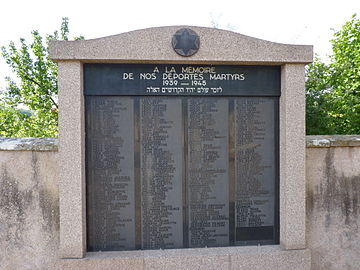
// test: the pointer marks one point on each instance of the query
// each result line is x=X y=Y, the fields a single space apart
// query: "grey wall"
x=333 y=202
x=29 y=211
x=29 y=218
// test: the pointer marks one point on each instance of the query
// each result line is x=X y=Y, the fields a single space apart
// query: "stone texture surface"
x=270 y=258
x=197 y=259
x=72 y=161
x=333 y=207
x=215 y=45
x=264 y=258
x=104 y=260
x=292 y=157
x=29 y=209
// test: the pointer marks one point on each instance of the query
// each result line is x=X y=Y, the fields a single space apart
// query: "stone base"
x=252 y=258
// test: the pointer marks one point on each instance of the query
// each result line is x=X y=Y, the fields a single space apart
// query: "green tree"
x=333 y=90
x=34 y=89
x=318 y=95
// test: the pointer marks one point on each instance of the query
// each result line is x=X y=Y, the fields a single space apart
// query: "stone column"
x=72 y=156
x=292 y=157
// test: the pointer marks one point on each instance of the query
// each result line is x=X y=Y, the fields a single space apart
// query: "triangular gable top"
x=154 y=45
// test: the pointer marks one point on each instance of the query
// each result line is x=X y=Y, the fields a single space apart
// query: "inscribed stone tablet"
x=110 y=173
x=255 y=163
x=161 y=172
x=208 y=172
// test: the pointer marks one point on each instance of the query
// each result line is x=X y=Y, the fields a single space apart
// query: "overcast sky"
x=284 y=21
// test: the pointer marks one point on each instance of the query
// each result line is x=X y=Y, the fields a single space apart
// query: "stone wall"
x=333 y=201
x=29 y=216
x=29 y=204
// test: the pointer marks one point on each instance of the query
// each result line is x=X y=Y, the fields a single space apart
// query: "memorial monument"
x=178 y=138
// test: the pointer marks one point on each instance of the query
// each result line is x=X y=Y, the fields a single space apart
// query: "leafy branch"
x=28 y=106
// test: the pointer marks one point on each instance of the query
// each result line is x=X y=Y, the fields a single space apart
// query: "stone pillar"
x=292 y=157
x=72 y=156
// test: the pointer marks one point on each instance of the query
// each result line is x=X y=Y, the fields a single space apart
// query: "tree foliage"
x=333 y=90
x=35 y=87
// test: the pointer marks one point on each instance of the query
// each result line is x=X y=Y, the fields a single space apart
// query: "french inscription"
x=161 y=172
x=208 y=172
x=110 y=178
x=174 y=80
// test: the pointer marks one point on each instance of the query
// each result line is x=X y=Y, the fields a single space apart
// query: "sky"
x=285 y=21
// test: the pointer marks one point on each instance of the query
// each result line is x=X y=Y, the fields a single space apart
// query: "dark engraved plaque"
x=255 y=162
x=181 y=156
x=161 y=172
x=110 y=174
x=208 y=199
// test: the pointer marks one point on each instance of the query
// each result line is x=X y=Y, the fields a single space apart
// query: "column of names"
x=255 y=163
x=161 y=173
x=207 y=175
x=110 y=178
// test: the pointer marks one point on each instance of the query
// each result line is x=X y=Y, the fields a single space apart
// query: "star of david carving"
x=186 y=42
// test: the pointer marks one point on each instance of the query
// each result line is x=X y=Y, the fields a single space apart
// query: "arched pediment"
x=154 y=45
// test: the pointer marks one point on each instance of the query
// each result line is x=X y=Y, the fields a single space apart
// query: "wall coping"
x=52 y=144
x=320 y=141
x=28 y=144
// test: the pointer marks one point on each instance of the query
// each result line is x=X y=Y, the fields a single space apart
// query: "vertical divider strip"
x=87 y=160
x=231 y=119
x=137 y=167
x=277 y=171
x=185 y=174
